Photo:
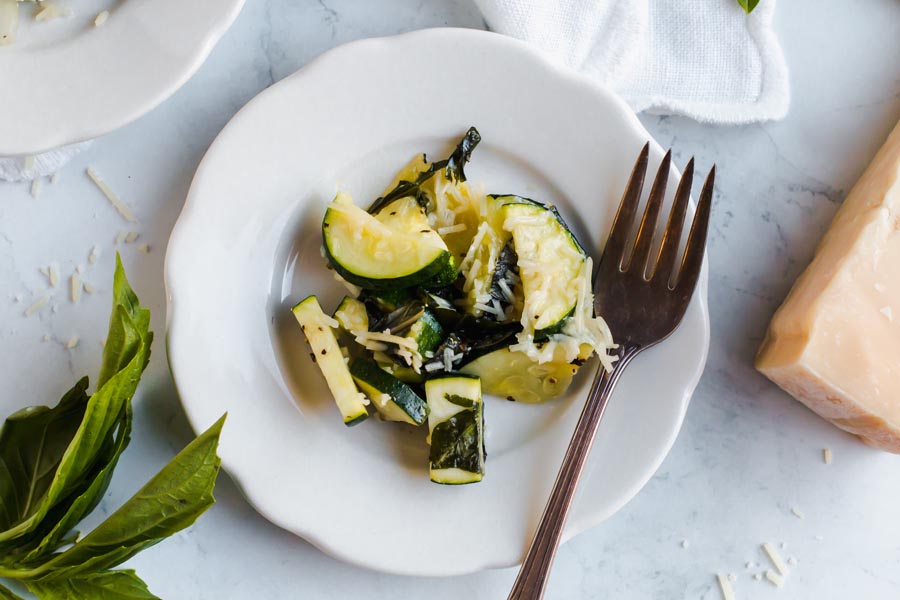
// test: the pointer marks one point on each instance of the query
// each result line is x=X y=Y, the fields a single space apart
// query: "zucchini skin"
x=457 y=453
x=434 y=274
x=368 y=374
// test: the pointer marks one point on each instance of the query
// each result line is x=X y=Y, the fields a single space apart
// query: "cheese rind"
x=830 y=344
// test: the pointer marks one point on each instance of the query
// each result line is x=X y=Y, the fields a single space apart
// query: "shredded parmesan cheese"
x=144 y=249
x=73 y=341
x=775 y=557
x=685 y=544
x=113 y=198
x=120 y=237
x=827 y=456
x=35 y=188
x=796 y=512
x=54 y=178
x=53 y=274
x=131 y=237
x=725 y=586
x=37 y=305
x=50 y=11
x=775 y=578
x=75 y=288
x=94 y=255
x=101 y=18
x=88 y=288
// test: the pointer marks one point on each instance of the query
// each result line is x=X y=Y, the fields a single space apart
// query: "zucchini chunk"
x=514 y=376
x=549 y=259
x=370 y=254
x=395 y=400
x=426 y=332
x=456 y=429
x=327 y=354
x=351 y=315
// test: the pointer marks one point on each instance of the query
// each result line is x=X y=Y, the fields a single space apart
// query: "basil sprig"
x=56 y=464
x=748 y=5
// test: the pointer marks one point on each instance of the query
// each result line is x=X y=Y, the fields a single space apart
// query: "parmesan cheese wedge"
x=832 y=345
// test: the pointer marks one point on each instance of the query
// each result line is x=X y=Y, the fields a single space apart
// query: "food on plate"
x=45 y=10
x=835 y=342
x=56 y=464
x=454 y=293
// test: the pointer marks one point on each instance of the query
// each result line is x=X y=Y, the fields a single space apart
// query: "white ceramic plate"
x=246 y=248
x=66 y=81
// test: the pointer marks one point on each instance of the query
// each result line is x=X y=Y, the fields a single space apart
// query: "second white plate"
x=246 y=248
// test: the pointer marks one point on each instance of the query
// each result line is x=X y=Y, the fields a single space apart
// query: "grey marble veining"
x=747 y=454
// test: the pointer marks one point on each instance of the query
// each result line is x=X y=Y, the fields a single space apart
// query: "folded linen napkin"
x=26 y=168
x=705 y=59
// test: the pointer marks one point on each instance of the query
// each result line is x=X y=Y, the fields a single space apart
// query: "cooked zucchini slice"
x=351 y=315
x=426 y=332
x=387 y=301
x=370 y=254
x=549 y=260
x=456 y=429
x=514 y=376
x=327 y=354
x=395 y=400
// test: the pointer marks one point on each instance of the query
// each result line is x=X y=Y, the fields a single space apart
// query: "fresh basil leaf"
x=102 y=410
x=168 y=503
x=33 y=442
x=7 y=594
x=122 y=342
x=106 y=585
x=87 y=500
x=748 y=5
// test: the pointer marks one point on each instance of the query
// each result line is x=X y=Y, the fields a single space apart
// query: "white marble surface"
x=747 y=453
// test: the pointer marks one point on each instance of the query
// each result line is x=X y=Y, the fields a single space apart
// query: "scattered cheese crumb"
x=144 y=248
x=120 y=237
x=880 y=288
x=44 y=271
x=37 y=305
x=750 y=565
x=35 y=188
x=132 y=236
x=887 y=312
x=94 y=255
x=101 y=18
x=725 y=586
x=54 y=178
x=758 y=576
x=18 y=298
x=46 y=338
x=775 y=557
x=685 y=543
x=88 y=287
x=792 y=561
x=797 y=513
x=775 y=578
x=50 y=11
x=75 y=288
x=114 y=199
x=53 y=274
x=73 y=341
x=827 y=456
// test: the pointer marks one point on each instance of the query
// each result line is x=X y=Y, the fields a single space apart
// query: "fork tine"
x=644 y=241
x=621 y=228
x=696 y=244
x=668 y=251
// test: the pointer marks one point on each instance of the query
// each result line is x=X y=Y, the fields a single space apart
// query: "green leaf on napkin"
x=748 y=5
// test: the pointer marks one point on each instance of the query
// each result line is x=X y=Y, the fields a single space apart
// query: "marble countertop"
x=747 y=455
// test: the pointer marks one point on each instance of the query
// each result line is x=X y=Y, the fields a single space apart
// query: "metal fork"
x=643 y=301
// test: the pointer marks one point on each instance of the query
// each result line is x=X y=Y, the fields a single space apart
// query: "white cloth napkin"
x=26 y=168
x=705 y=59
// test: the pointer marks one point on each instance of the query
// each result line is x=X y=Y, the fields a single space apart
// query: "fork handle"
x=534 y=574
